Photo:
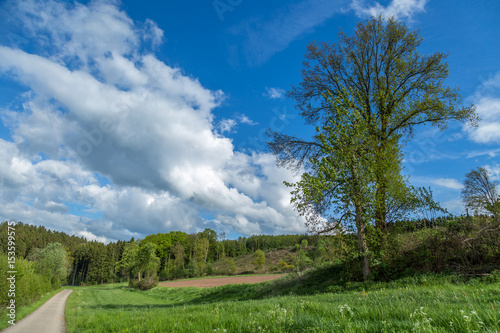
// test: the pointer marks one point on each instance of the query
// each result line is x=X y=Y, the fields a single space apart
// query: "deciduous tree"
x=392 y=87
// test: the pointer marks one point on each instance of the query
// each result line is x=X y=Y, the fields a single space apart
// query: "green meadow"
x=424 y=304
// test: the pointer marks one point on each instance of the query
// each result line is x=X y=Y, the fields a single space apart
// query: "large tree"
x=392 y=87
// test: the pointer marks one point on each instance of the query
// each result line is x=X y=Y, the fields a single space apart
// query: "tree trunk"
x=74 y=273
x=139 y=276
x=380 y=213
x=381 y=184
x=363 y=248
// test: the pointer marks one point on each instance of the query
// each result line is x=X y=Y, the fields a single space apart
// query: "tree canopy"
x=391 y=86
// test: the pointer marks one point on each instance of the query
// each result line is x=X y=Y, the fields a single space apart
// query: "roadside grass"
x=24 y=311
x=432 y=305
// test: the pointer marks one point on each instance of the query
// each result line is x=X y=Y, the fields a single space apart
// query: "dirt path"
x=49 y=318
x=215 y=282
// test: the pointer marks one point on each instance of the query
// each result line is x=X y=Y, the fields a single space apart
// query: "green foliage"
x=128 y=261
x=228 y=267
x=144 y=284
x=30 y=284
x=146 y=261
x=201 y=249
x=29 y=237
x=51 y=262
x=454 y=245
x=139 y=260
x=425 y=205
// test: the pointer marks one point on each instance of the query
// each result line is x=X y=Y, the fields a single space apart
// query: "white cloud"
x=398 y=9
x=274 y=93
x=488 y=130
x=494 y=171
x=153 y=33
x=488 y=152
x=487 y=101
x=425 y=181
x=99 y=103
x=226 y=125
x=245 y=120
x=229 y=125
x=450 y=183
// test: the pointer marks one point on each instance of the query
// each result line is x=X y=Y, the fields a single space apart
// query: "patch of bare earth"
x=215 y=282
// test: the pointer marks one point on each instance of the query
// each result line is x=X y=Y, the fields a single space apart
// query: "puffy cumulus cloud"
x=39 y=192
x=68 y=30
x=100 y=104
x=398 y=9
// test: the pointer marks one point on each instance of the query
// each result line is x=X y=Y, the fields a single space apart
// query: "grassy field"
x=394 y=307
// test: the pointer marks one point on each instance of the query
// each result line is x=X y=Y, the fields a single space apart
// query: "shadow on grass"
x=131 y=307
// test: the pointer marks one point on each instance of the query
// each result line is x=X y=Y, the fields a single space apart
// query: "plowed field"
x=215 y=282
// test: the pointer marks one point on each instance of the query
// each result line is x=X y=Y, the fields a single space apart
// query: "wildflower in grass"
x=279 y=315
x=422 y=322
x=472 y=320
x=466 y=317
x=345 y=310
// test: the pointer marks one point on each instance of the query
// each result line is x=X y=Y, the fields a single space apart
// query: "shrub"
x=259 y=259
x=228 y=267
x=144 y=284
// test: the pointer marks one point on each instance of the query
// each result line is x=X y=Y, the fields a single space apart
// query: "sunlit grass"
x=437 y=308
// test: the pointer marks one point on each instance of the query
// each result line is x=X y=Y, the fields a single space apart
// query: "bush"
x=259 y=259
x=144 y=284
x=228 y=267
x=462 y=246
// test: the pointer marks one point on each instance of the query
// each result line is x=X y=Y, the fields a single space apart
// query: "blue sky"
x=122 y=119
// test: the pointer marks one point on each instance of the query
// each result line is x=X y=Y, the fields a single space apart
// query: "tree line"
x=166 y=255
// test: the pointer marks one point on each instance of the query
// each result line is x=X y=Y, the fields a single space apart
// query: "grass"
x=23 y=311
x=419 y=305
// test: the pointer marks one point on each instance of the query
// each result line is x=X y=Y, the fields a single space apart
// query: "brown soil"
x=215 y=282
